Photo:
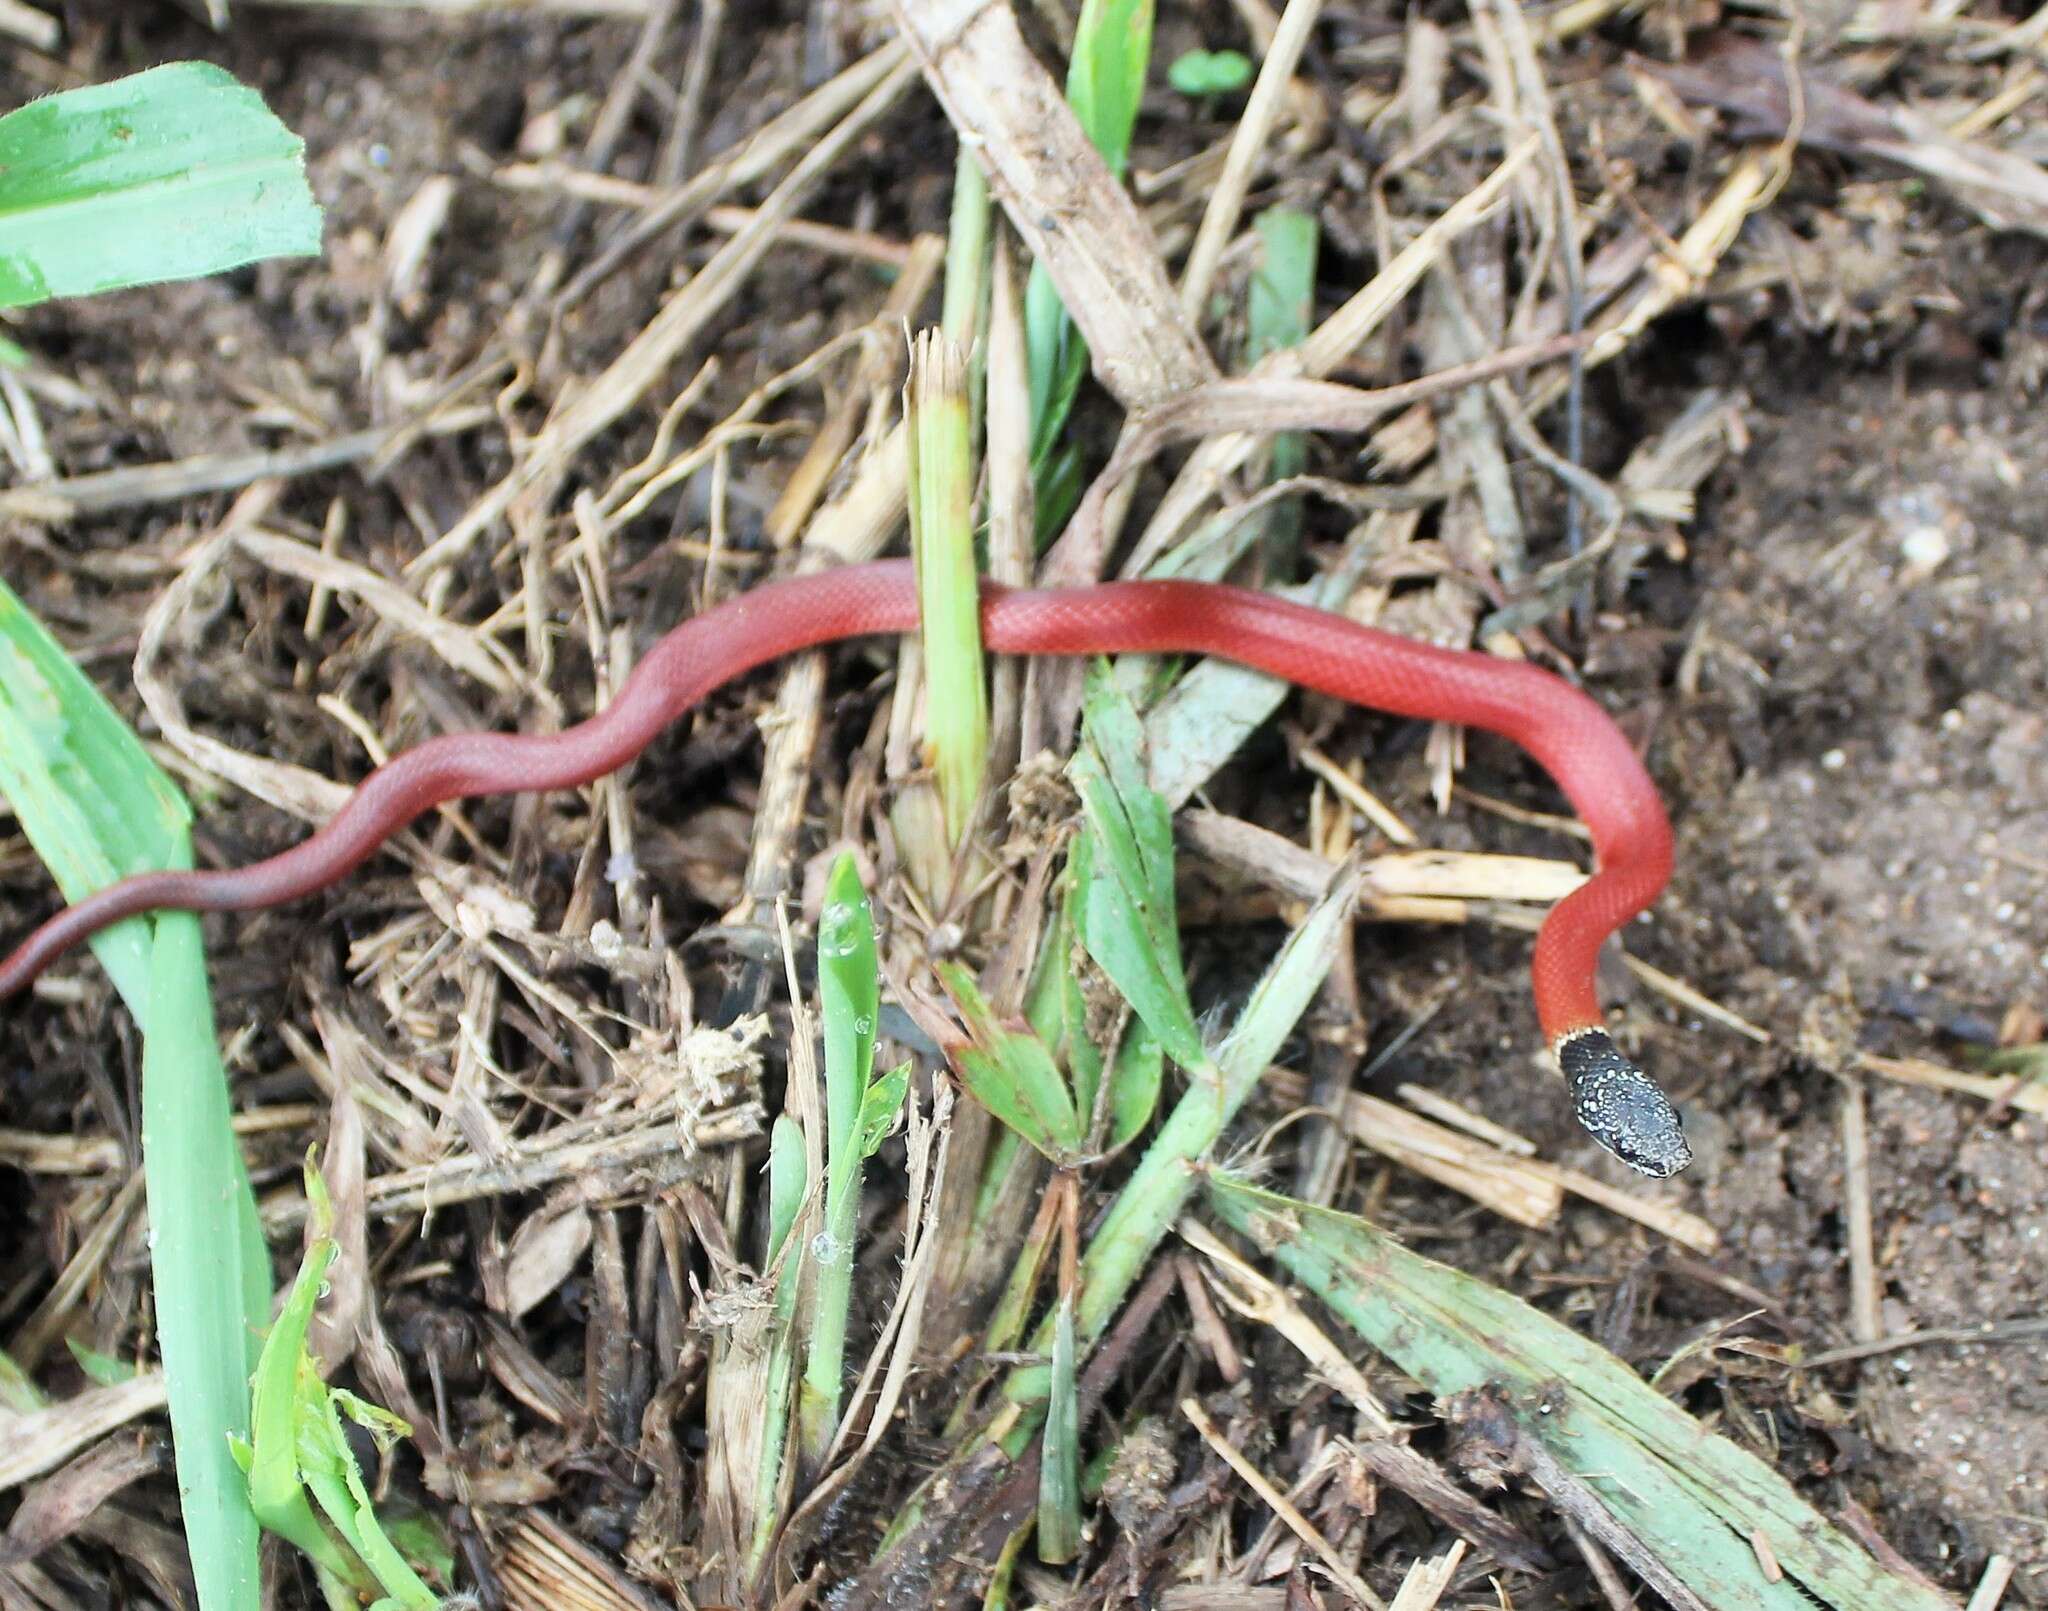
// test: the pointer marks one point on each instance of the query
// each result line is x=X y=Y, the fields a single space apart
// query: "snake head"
x=1621 y=1107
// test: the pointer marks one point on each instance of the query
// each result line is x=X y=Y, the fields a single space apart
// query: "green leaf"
x=1059 y=1470
x=1106 y=77
x=170 y=173
x=1105 y=83
x=211 y=1270
x=277 y=1493
x=1127 y=920
x=18 y=1391
x=103 y=1370
x=1134 y=1083
x=788 y=1176
x=880 y=1106
x=96 y=807
x=1011 y=1072
x=1715 y=1512
x=1281 y=300
x=849 y=998
x=88 y=797
x=299 y=1446
x=1210 y=72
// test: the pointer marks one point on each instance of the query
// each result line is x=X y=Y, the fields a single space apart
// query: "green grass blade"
x=967 y=251
x=1106 y=78
x=211 y=1270
x=1283 y=288
x=95 y=806
x=87 y=795
x=1105 y=83
x=1059 y=1468
x=18 y=1391
x=849 y=1000
x=948 y=585
x=175 y=172
x=1279 y=305
x=1127 y=906
x=1145 y=1209
x=1711 y=1511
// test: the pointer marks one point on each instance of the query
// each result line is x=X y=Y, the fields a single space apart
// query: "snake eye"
x=1621 y=1107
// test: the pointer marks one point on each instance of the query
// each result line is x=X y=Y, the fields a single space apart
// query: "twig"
x=1865 y=1323
x=1302 y=1528
x=1247 y=146
x=648 y=356
x=1075 y=218
x=1988 y=1332
x=1990 y=1591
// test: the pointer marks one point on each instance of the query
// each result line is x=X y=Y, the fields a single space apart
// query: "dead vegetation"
x=578 y=368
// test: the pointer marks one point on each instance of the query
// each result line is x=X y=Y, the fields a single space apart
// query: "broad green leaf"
x=170 y=173
x=1011 y=1073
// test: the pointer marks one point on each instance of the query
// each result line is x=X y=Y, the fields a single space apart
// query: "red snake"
x=1563 y=729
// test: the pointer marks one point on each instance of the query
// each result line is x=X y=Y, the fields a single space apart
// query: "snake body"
x=1566 y=732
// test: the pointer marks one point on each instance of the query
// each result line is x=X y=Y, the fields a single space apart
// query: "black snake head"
x=1621 y=1106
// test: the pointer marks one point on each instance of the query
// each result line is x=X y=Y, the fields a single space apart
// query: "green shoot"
x=1132 y=932
x=948 y=585
x=1059 y=1468
x=96 y=806
x=1280 y=303
x=1206 y=73
x=298 y=1446
x=167 y=174
x=1105 y=82
x=860 y=1111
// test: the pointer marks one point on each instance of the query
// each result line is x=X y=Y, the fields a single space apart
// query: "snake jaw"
x=1621 y=1107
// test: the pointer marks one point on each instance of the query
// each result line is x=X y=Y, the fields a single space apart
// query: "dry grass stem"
x=1075 y=219
x=1281 y=1506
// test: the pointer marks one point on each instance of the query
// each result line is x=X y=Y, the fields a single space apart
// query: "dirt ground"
x=1842 y=682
